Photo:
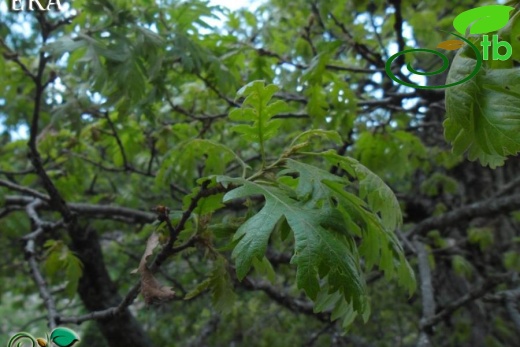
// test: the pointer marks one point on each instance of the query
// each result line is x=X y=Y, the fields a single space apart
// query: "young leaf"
x=181 y=162
x=461 y=266
x=264 y=268
x=379 y=245
x=199 y=289
x=327 y=134
x=310 y=187
x=379 y=196
x=258 y=110
x=73 y=273
x=60 y=259
x=223 y=296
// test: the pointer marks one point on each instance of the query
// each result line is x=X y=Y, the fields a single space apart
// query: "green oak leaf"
x=323 y=249
x=258 y=110
x=483 y=114
x=311 y=188
x=372 y=188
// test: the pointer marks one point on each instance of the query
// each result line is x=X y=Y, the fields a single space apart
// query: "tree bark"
x=98 y=292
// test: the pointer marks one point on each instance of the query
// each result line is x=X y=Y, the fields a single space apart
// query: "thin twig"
x=428 y=298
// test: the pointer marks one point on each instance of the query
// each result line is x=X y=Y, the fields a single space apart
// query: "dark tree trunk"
x=98 y=292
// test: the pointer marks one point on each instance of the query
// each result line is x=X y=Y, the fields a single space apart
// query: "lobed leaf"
x=322 y=248
x=483 y=114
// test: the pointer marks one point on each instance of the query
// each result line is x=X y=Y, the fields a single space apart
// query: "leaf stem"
x=260 y=134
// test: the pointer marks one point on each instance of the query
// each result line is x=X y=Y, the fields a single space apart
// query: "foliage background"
x=130 y=104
